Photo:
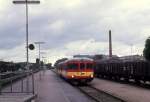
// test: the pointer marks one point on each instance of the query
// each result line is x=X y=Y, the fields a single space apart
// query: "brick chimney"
x=110 y=44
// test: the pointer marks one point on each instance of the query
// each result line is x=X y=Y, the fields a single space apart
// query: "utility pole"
x=26 y=2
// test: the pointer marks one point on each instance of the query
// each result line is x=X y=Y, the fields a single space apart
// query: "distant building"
x=95 y=57
x=83 y=56
x=100 y=57
x=132 y=57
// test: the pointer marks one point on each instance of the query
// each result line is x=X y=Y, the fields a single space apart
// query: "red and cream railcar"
x=77 y=69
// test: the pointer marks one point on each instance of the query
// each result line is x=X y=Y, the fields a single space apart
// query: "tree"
x=146 y=51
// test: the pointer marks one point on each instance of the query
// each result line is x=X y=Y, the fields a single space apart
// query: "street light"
x=39 y=43
x=26 y=2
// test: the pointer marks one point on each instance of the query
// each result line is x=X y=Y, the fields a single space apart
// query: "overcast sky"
x=72 y=27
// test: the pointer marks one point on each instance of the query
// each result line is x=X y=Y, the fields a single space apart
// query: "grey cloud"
x=90 y=19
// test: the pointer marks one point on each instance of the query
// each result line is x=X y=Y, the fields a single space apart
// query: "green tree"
x=146 y=51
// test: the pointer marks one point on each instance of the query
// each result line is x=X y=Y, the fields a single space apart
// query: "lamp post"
x=44 y=59
x=39 y=43
x=26 y=2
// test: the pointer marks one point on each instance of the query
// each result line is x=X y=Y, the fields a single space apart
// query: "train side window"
x=82 y=66
x=72 y=66
x=124 y=68
x=64 y=67
x=89 y=66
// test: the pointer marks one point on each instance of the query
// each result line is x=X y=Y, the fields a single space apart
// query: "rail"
x=97 y=95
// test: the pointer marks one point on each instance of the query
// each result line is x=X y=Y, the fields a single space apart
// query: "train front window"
x=89 y=66
x=82 y=66
x=72 y=66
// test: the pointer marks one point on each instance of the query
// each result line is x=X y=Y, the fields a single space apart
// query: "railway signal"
x=31 y=47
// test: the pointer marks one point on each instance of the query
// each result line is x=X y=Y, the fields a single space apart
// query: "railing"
x=17 y=82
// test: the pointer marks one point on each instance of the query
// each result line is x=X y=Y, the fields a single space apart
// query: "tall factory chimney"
x=110 y=44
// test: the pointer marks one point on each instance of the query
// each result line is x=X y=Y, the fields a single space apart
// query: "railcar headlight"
x=92 y=76
x=72 y=76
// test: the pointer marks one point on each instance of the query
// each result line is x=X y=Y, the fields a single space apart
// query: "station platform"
x=49 y=87
x=17 y=98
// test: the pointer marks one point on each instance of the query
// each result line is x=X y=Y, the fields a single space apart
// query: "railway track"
x=97 y=95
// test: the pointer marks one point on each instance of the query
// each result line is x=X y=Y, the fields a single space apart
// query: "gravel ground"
x=126 y=92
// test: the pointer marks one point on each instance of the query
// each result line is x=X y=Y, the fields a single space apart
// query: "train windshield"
x=82 y=66
x=89 y=66
x=72 y=66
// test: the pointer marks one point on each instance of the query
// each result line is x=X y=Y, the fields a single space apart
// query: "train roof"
x=118 y=60
x=76 y=59
x=80 y=59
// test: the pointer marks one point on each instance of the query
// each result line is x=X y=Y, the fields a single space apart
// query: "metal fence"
x=17 y=82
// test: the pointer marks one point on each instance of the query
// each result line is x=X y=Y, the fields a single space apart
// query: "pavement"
x=17 y=98
x=18 y=92
x=51 y=88
x=48 y=88
x=126 y=92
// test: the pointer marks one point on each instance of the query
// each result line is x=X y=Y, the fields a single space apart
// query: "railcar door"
x=86 y=69
x=72 y=69
x=89 y=69
x=82 y=69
